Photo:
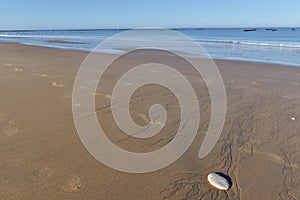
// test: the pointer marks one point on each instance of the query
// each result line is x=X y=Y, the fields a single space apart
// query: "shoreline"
x=108 y=53
x=64 y=42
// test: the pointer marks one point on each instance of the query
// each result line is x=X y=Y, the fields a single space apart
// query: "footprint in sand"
x=67 y=182
x=11 y=128
x=41 y=75
x=42 y=177
x=55 y=84
x=18 y=69
x=8 y=64
x=72 y=184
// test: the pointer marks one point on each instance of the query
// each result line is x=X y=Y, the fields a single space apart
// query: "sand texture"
x=42 y=156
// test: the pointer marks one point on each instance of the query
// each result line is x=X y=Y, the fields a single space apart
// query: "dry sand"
x=43 y=158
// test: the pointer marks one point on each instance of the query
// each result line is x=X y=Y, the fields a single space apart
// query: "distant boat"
x=271 y=29
x=249 y=30
x=293 y=29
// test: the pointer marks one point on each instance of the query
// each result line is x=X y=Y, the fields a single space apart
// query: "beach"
x=42 y=156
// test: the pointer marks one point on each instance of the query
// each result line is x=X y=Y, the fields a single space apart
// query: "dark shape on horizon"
x=250 y=30
x=271 y=29
x=293 y=29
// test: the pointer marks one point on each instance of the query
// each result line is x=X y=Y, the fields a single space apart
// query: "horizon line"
x=172 y=28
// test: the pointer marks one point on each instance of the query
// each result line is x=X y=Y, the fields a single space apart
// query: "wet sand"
x=42 y=156
x=64 y=42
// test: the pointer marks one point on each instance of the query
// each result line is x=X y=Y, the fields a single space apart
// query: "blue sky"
x=56 y=14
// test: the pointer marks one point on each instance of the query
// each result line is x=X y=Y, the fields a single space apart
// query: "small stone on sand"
x=219 y=181
x=293 y=119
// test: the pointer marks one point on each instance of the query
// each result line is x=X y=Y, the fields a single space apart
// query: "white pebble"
x=218 y=181
x=293 y=118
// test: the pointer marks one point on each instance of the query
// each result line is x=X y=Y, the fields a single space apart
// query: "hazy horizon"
x=59 y=29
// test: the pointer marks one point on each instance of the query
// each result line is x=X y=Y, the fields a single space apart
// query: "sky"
x=68 y=14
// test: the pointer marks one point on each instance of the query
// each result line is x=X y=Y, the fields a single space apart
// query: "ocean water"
x=281 y=46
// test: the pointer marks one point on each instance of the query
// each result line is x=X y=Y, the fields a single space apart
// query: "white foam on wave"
x=51 y=36
x=253 y=43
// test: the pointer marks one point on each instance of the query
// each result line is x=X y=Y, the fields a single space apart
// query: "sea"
x=269 y=45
